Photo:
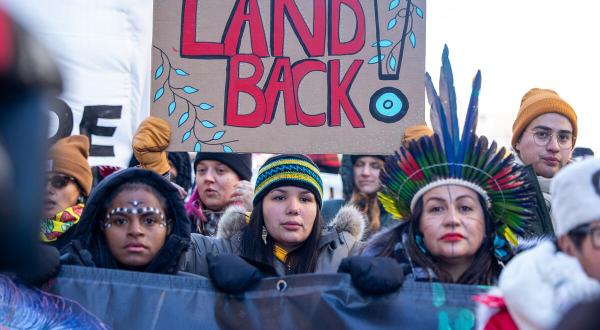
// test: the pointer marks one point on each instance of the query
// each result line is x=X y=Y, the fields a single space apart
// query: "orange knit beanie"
x=414 y=132
x=69 y=156
x=537 y=102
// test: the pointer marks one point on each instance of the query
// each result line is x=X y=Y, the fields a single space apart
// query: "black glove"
x=45 y=267
x=75 y=254
x=373 y=275
x=232 y=274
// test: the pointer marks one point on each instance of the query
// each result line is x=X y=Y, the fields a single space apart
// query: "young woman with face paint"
x=135 y=220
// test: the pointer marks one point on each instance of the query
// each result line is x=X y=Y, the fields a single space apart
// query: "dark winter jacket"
x=337 y=241
x=89 y=247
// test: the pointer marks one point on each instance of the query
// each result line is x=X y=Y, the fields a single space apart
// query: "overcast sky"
x=520 y=44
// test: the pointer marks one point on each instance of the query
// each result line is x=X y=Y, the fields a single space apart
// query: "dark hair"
x=369 y=205
x=578 y=235
x=484 y=269
x=301 y=260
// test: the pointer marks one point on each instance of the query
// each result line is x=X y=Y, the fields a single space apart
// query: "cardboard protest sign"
x=288 y=76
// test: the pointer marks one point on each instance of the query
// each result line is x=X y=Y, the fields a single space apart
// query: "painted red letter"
x=189 y=45
x=313 y=44
x=246 y=11
x=237 y=85
x=339 y=97
x=299 y=71
x=354 y=45
x=281 y=80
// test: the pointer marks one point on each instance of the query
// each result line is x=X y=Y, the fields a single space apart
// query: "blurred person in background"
x=68 y=186
x=362 y=180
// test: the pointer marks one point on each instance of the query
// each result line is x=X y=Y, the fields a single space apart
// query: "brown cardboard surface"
x=313 y=66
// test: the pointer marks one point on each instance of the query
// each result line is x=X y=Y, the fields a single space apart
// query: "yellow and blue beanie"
x=288 y=170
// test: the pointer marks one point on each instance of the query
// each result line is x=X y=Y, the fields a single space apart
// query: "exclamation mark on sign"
x=394 y=32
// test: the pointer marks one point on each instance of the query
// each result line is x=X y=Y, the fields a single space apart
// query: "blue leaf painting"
x=181 y=72
x=189 y=89
x=158 y=94
x=183 y=119
x=413 y=39
x=158 y=72
x=419 y=12
x=392 y=23
x=394 y=4
x=376 y=59
x=383 y=43
x=205 y=106
x=207 y=124
x=172 y=106
x=392 y=62
x=186 y=135
x=197 y=147
x=227 y=149
x=218 y=135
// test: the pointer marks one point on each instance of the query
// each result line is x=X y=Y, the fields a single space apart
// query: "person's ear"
x=567 y=245
x=517 y=146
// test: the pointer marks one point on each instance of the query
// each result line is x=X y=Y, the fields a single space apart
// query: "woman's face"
x=452 y=223
x=366 y=174
x=216 y=184
x=289 y=214
x=135 y=227
x=62 y=192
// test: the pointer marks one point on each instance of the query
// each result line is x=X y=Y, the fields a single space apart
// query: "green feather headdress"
x=445 y=158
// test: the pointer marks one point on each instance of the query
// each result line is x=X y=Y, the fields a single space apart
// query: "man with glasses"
x=544 y=135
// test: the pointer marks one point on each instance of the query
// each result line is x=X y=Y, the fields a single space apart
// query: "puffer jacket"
x=539 y=286
x=337 y=241
x=88 y=246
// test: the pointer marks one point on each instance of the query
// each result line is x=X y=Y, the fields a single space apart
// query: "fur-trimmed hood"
x=349 y=219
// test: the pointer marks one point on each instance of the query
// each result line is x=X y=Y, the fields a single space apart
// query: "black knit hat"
x=354 y=158
x=288 y=170
x=182 y=163
x=239 y=163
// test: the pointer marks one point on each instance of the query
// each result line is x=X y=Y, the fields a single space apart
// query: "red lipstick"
x=453 y=237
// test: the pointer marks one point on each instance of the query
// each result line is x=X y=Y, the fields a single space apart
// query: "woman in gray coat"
x=285 y=229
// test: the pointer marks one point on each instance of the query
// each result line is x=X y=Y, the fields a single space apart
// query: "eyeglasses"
x=543 y=137
x=59 y=181
x=594 y=233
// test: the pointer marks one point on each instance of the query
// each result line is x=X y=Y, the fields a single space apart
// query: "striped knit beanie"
x=288 y=170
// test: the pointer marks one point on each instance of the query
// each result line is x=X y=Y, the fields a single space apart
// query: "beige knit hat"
x=537 y=102
x=69 y=156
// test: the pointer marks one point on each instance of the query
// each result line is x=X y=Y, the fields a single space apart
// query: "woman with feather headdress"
x=460 y=201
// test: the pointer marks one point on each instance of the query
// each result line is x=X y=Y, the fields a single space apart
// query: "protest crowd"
x=446 y=206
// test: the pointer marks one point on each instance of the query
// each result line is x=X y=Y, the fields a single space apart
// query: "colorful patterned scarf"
x=53 y=228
